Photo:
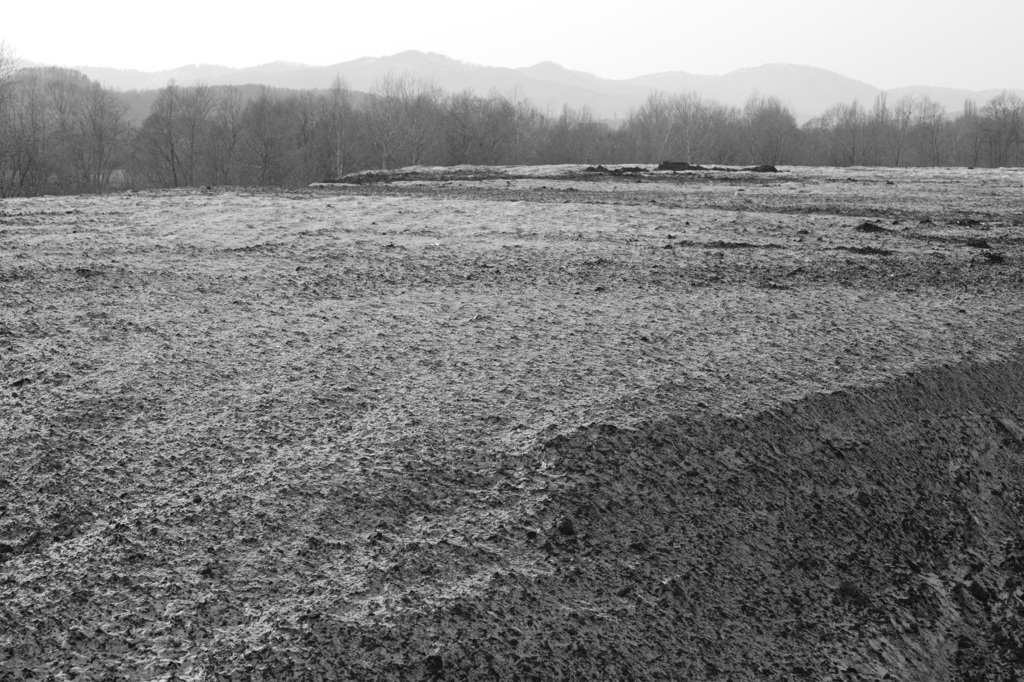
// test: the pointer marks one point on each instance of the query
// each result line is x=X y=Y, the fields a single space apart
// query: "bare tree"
x=1002 y=123
x=929 y=122
x=968 y=135
x=878 y=131
x=524 y=117
x=27 y=169
x=577 y=136
x=849 y=130
x=226 y=131
x=513 y=126
x=703 y=130
x=64 y=94
x=196 y=105
x=160 y=137
x=463 y=129
x=339 y=119
x=7 y=64
x=421 y=118
x=651 y=128
x=771 y=129
x=404 y=118
x=267 y=124
x=836 y=137
x=502 y=126
x=7 y=68
x=385 y=113
x=903 y=115
x=104 y=131
x=176 y=135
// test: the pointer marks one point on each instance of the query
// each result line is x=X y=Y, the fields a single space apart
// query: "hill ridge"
x=808 y=90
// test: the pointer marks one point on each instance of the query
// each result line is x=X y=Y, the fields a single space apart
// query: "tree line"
x=61 y=133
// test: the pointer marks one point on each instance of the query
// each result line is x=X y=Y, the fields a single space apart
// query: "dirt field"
x=517 y=424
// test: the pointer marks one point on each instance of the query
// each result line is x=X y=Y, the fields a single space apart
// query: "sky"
x=886 y=43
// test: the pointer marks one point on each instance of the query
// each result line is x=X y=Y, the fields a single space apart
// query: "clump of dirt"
x=867 y=250
x=620 y=170
x=679 y=166
x=684 y=166
x=871 y=228
x=426 y=174
x=719 y=244
x=965 y=222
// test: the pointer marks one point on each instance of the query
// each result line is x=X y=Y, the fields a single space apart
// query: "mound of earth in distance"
x=517 y=423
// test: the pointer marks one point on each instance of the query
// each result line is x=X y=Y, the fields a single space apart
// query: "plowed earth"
x=517 y=424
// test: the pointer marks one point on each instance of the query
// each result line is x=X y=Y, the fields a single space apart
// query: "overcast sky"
x=887 y=43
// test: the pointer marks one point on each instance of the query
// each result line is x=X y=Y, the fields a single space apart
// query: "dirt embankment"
x=871 y=533
x=865 y=532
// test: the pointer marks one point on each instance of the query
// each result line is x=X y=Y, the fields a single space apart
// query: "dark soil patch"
x=684 y=166
x=871 y=228
x=622 y=170
x=679 y=166
x=432 y=175
x=867 y=250
x=718 y=244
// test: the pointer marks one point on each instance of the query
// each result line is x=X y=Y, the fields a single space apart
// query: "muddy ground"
x=523 y=423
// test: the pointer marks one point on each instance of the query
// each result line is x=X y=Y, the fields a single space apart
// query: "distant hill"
x=807 y=90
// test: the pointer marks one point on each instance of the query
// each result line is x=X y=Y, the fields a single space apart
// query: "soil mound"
x=870 y=228
x=867 y=250
x=622 y=170
x=678 y=166
x=881 y=523
x=684 y=166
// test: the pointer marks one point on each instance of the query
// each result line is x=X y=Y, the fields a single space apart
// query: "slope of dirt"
x=517 y=424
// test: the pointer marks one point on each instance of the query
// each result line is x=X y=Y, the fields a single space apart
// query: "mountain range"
x=808 y=91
